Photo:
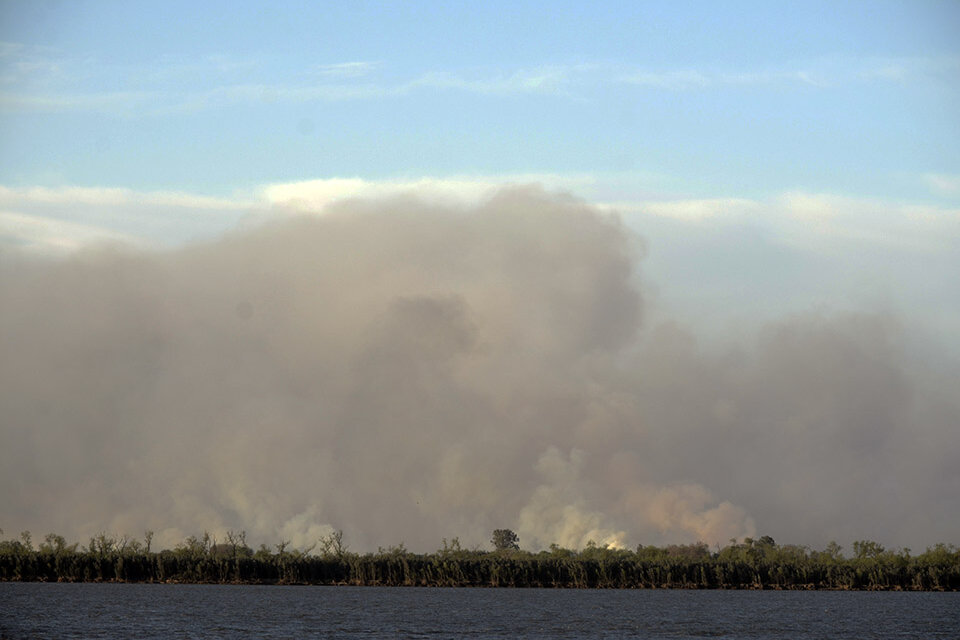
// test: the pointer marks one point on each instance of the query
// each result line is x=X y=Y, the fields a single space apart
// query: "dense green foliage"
x=751 y=564
x=505 y=540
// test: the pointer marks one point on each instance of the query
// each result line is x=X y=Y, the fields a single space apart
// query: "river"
x=39 y=610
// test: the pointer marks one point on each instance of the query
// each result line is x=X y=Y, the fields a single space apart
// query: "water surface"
x=38 y=610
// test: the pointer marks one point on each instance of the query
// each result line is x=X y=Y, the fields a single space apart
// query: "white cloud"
x=110 y=196
x=336 y=88
x=548 y=79
x=689 y=79
x=943 y=184
x=798 y=217
x=904 y=69
x=39 y=79
x=813 y=79
x=167 y=218
x=155 y=96
x=64 y=218
x=23 y=63
x=809 y=218
x=9 y=49
x=824 y=72
x=347 y=69
x=874 y=222
x=314 y=195
x=49 y=235
x=817 y=208
x=117 y=102
x=692 y=79
x=684 y=79
x=690 y=210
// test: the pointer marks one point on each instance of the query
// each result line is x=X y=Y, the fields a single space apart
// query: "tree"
x=505 y=540
x=332 y=544
x=863 y=549
x=833 y=551
x=53 y=544
x=450 y=548
x=238 y=543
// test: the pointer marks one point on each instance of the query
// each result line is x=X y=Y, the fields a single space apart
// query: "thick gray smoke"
x=409 y=372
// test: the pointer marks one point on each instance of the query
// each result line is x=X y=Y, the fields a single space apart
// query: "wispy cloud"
x=170 y=102
x=64 y=218
x=28 y=65
x=819 y=73
x=109 y=196
x=943 y=184
x=224 y=96
x=193 y=71
x=45 y=80
x=347 y=69
x=694 y=79
x=908 y=68
x=870 y=221
x=43 y=234
x=691 y=209
x=116 y=102
x=815 y=220
x=547 y=79
x=684 y=79
x=799 y=217
x=34 y=79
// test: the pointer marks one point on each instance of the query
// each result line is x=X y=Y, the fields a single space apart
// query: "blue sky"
x=742 y=99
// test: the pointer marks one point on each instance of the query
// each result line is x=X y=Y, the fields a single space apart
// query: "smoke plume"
x=409 y=371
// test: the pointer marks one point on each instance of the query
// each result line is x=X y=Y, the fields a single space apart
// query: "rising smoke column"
x=409 y=371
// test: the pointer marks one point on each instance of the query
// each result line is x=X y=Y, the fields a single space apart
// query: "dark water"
x=35 y=610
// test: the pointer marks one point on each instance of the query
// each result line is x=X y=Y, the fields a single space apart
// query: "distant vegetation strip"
x=751 y=564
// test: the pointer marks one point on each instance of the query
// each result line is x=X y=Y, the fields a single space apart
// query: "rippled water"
x=36 y=610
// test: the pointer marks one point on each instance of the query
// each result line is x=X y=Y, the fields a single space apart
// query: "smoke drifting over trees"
x=405 y=370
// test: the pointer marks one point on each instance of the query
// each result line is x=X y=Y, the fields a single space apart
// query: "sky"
x=697 y=227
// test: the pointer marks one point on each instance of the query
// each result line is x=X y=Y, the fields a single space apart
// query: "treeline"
x=751 y=564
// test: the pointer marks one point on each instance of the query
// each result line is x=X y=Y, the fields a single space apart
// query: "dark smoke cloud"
x=408 y=371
